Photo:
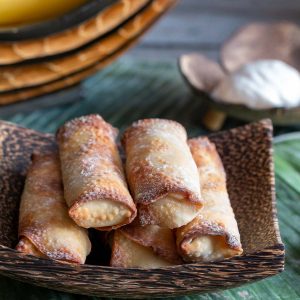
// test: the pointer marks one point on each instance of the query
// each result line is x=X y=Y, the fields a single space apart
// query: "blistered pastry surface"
x=216 y=217
x=44 y=218
x=130 y=254
x=159 y=162
x=170 y=211
x=144 y=246
x=94 y=182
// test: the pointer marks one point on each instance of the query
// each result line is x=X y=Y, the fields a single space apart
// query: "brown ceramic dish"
x=247 y=156
x=279 y=41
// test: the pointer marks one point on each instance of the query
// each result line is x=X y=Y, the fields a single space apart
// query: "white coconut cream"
x=260 y=85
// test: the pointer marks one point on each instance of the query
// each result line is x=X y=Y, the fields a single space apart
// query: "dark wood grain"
x=13 y=175
x=247 y=157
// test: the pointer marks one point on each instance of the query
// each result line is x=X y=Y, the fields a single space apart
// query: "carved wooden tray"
x=247 y=156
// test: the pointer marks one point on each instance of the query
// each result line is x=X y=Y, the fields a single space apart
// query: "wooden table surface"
x=203 y=25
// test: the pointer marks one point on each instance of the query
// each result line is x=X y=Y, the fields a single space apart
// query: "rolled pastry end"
x=208 y=248
x=45 y=228
x=60 y=253
x=57 y=244
x=171 y=211
x=95 y=186
x=161 y=173
x=103 y=214
x=27 y=247
x=144 y=247
x=213 y=235
x=128 y=254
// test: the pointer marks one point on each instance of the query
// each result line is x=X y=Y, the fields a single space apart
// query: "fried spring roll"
x=45 y=228
x=213 y=234
x=26 y=246
x=161 y=173
x=94 y=181
x=149 y=246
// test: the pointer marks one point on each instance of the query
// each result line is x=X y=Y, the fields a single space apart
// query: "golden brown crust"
x=159 y=163
x=92 y=121
x=44 y=219
x=201 y=227
x=105 y=194
x=217 y=217
x=148 y=189
x=26 y=246
x=160 y=240
x=140 y=126
x=118 y=253
x=93 y=172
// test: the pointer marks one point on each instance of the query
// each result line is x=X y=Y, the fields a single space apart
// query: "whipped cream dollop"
x=261 y=84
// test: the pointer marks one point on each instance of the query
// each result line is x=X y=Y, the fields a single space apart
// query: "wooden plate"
x=65 y=82
x=12 y=78
x=203 y=74
x=73 y=79
x=247 y=156
x=39 y=29
x=67 y=40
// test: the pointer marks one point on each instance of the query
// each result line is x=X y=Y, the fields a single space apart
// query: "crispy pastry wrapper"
x=45 y=228
x=94 y=182
x=213 y=234
x=161 y=173
x=147 y=246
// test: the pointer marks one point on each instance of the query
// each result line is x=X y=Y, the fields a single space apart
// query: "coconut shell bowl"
x=246 y=153
x=53 y=55
x=256 y=41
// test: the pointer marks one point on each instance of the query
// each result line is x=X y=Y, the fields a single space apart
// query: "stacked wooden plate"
x=31 y=67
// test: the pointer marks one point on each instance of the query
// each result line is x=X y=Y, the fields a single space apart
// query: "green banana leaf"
x=127 y=91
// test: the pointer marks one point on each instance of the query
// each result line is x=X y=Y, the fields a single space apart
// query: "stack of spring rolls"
x=167 y=205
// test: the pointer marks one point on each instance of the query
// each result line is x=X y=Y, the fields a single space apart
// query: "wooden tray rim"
x=273 y=256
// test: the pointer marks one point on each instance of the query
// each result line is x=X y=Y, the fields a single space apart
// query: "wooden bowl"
x=247 y=156
x=13 y=78
x=15 y=97
x=39 y=29
x=118 y=43
x=280 y=41
x=65 y=41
